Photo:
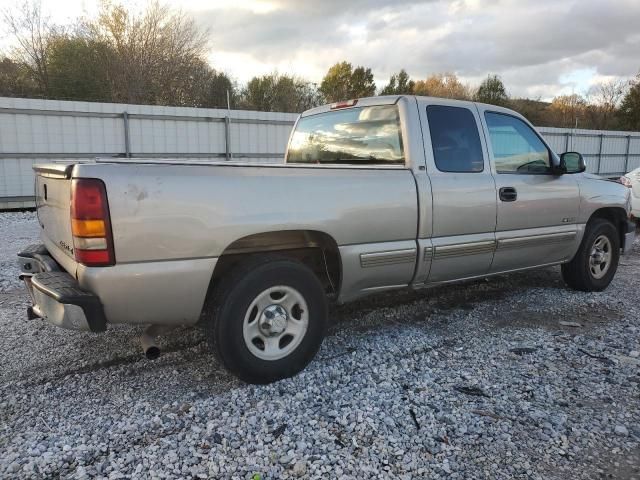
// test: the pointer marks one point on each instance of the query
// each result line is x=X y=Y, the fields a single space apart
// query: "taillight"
x=90 y=223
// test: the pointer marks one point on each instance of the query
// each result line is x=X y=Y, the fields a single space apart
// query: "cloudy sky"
x=540 y=48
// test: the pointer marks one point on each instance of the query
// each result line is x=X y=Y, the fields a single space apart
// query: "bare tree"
x=445 y=85
x=32 y=31
x=604 y=99
x=152 y=54
x=608 y=94
x=567 y=110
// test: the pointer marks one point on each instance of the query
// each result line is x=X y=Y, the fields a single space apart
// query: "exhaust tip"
x=152 y=352
x=148 y=340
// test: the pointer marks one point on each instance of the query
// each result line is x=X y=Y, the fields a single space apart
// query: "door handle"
x=508 y=194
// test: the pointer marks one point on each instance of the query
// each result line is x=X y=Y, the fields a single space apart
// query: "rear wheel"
x=269 y=319
x=596 y=262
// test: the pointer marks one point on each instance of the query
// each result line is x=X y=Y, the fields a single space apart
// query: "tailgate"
x=53 y=203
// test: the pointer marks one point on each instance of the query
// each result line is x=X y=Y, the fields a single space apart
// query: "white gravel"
x=17 y=230
x=473 y=381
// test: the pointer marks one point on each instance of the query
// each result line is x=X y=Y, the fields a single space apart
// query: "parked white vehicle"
x=634 y=178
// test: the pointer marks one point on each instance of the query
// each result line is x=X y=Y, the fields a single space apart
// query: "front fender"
x=597 y=193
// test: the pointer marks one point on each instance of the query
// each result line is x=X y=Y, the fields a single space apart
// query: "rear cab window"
x=455 y=139
x=353 y=136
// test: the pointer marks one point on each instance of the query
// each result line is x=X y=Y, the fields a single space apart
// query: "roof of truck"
x=392 y=99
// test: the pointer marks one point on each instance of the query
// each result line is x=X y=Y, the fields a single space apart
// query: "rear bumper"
x=161 y=292
x=629 y=238
x=56 y=295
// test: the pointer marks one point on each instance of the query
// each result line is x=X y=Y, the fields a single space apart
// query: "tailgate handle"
x=508 y=194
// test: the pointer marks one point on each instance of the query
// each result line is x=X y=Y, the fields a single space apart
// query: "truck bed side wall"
x=171 y=222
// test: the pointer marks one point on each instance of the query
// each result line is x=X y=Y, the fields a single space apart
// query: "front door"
x=537 y=210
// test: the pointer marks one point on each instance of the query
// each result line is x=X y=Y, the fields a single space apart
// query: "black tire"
x=577 y=273
x=231 y=301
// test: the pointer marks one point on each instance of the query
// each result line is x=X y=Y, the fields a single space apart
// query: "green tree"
x=15 y=80
x=280 y=93
x=205 y=87
x=343 y=82
x=362 y=84
x=492 y=91
x=629 y=112
x=536 y=111
x=399 y=84
x=76 y=68
x=153 y=56
x=307 y=96
x=218 y=84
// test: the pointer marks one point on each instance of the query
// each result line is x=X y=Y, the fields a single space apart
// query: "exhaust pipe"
x=148 y=340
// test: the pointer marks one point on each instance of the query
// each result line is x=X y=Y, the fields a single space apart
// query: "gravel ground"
x=16 y=231
x=510 y=377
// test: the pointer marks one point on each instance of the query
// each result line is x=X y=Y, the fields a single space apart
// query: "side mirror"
x=572 y=162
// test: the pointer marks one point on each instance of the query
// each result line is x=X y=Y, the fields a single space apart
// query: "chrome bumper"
x=55 y=294
x=629 y=238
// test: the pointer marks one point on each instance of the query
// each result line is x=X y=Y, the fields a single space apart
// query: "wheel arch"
x=616 y=215
x=316 y=249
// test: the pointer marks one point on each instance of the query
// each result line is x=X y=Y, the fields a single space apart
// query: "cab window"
x=455 y=139
x=516 y=146
x=353 y=136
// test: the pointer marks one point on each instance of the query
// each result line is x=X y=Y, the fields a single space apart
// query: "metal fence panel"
x=607 y=153
x=557 y=142
x=634 y=162
x=616 y=145
x=612 y=163
x=38 y=131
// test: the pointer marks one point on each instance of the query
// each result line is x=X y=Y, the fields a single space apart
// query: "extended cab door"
x=464 y=194
x=537 y=210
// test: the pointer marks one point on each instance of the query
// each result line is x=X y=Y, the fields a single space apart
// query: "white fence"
x=606 y=152
x=37 y=131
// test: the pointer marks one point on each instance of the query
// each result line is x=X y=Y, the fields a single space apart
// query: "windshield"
x=357 y=136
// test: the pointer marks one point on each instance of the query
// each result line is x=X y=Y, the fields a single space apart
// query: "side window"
x=516 y=147
x=455 y=139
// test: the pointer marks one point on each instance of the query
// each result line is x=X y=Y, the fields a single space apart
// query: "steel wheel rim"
x=600 y=258
x=275 y=322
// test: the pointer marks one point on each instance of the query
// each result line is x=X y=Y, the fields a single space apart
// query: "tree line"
x=159 y=56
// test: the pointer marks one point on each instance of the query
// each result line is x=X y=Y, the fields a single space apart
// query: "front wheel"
x=269 y=319
x=596 y=262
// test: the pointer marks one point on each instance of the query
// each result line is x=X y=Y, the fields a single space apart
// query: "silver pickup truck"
x=376 y=194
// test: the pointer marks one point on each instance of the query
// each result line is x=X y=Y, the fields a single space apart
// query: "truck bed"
x=171 y=220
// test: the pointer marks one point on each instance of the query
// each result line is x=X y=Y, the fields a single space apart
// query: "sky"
x=540 y=48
